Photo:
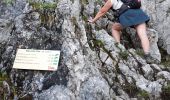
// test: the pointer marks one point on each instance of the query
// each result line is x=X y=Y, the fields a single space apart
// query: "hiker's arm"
x=102 y=11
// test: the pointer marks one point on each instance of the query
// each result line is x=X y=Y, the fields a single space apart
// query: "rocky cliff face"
x=92 y=66
x=159 y=12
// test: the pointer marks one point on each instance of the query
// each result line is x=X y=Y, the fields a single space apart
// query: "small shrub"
x=143 y=94
x=165 y=92
x=40 y=5
x=8 y=2
x=131 y=89
x=124 y=55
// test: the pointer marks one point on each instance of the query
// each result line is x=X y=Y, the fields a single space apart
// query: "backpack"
x=133 y=4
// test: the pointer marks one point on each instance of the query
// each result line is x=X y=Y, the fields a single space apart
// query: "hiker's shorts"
x=133 y=17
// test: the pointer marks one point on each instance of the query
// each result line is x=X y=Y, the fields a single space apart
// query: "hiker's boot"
x=149 y=59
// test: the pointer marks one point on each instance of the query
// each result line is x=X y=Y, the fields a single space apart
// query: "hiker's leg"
x=141 y=31
x=116 y=28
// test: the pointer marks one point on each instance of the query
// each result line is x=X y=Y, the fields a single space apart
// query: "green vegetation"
x=100 y=2
x=123 y=55
x=3 y=90
x=46 y=11
x=85 y=18
x=165 y=58
x=131 y=89
x=47 y=19
x=140 y=52
x=165 y=63
x=74 y=21
x=41 y=5
x=84 y=2
x=166 y=92
x=3 y=76
x=134 y=92
x=166 y=89
x=143 y=94
x=98 y=43
x=8 y=2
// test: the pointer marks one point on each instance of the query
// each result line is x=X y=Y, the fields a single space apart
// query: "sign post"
x=37 y=59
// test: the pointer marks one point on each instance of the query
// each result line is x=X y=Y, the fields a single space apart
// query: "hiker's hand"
x=90 y=20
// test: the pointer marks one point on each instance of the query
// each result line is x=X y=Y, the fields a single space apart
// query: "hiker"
x=127 y=17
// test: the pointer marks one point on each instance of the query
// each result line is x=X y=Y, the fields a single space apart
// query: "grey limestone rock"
x=159 y=13
x=92 y=65
x=56 y=93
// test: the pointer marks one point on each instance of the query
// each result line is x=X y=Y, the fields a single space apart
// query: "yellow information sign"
x=37 y=59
